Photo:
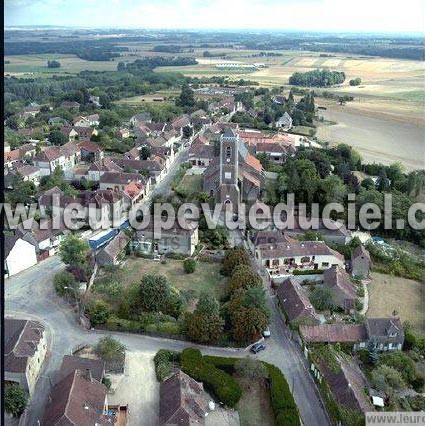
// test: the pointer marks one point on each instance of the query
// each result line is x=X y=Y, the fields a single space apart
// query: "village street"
x=30 y=294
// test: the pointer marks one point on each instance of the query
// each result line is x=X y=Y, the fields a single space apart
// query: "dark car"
x=257 y=347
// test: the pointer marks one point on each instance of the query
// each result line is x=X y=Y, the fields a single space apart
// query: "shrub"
x=15 y=399
x=98 y=312
x=107 y=382
x=251 y=368
x=283 y=404
x=218 y=383
x=163 y=361
x=189 y=266
x=64 y=283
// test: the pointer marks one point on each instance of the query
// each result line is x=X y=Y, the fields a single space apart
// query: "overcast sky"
x=313 y=15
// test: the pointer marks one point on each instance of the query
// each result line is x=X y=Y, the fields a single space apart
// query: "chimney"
x=87 y=375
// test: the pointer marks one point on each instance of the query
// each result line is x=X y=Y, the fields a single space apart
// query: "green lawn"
x=254 y=407
x=191 y=184
x=206 y=278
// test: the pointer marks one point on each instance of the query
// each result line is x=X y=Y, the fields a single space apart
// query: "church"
x=235 y=176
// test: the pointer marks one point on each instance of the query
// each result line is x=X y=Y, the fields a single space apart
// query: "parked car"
x=266 y=332
x=257 y=347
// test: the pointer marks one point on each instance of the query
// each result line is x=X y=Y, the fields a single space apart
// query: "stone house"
x=25 y=348
x=344 y=293
x=111 y=253
x=360 y=262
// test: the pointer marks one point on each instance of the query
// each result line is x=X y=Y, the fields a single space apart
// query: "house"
x=18 y=255
x=140 y=118
x=69 y=132
x=95 y=100
x=70 y=363
x=134 y=193
x=93 y=119
x=284 y=122
x=282 y=255
x=360 y=262
x=343 y=291
x=123 y=133
x=174 y=240
x=85 y=133
x=279 y=99
x=133 y=154
x=277 y=152
x=12 y=157
x=334 y=333
x=234 y=176
x=25 y=347
x=387 y=334
x=54 y=121
x=331 y=231
x=77 y=399
x=182 y=401
x=30 y=110
x=295 y=303
x=180 y=122
x=70 y=105
x=90 y=151
x=80 y=121
x=42 y=236
x=49 y=159
x=72 y=154
x=117 y=181
x=346 y=382
x=201 y=154
x=30 y=174
x=97 y=168
x=154 y=169
x=110 y=254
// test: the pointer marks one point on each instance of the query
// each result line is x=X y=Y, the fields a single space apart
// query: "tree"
x=189 y=265
x=205 y=325
x=368 y=183
x=244 y=277
x=112 y=352
x=73 y=250
x=53 y=64
x=109 y=119
x=13 y=122
x=255 y=297
x=98 y=312
x=23 y=192
x=56 y=137
x=372 y=353
x=187 y=132
x=355 y=81
x=248 y=324
x=251 y=368
x=65 y=284
x=203 y=328
x=234 y=257
x=382 y=183
x=145 y=153
x=186 y=98
x=321 y=298
x=15 y=399
x=387 y=379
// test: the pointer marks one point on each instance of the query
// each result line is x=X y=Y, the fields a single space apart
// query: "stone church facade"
x=234 y=176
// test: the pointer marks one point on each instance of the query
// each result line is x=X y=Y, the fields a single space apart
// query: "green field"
x=191 y=184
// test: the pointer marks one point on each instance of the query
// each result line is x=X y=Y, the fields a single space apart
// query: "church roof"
x=229 y=133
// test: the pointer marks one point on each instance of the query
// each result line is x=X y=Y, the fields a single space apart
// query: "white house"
x=284 y=122
x=19 y=255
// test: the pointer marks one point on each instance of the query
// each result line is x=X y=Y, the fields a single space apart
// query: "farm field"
x=379 y=137
x=206 y=278
x=388 y=293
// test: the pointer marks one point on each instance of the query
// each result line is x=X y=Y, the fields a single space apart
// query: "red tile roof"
x=334 y=333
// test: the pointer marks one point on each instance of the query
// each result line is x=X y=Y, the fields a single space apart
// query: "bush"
x=98 y=312
x=163 y=361
x=244 y=277
x=107 y=382
x=218 y=383
x=15 y=399
x=189 y=266
x=284 y=407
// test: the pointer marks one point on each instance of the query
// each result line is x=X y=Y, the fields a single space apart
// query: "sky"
x=306 y=15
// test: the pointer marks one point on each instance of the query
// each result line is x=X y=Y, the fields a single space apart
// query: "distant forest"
x=73 y=42
x=317 y=78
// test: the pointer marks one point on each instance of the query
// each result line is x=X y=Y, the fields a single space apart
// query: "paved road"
x=30 y=294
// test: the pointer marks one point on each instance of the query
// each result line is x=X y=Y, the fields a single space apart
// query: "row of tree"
x=317 y=78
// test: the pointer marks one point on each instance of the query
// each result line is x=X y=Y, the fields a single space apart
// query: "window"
x=325 y=264
x=362 y=344
x=305 y=259
x=228 y=151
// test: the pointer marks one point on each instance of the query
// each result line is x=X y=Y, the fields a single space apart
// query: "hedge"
x=118 y=324
x=283 y=404
x=219 y=384
x=163 y=361
x=307 y=271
